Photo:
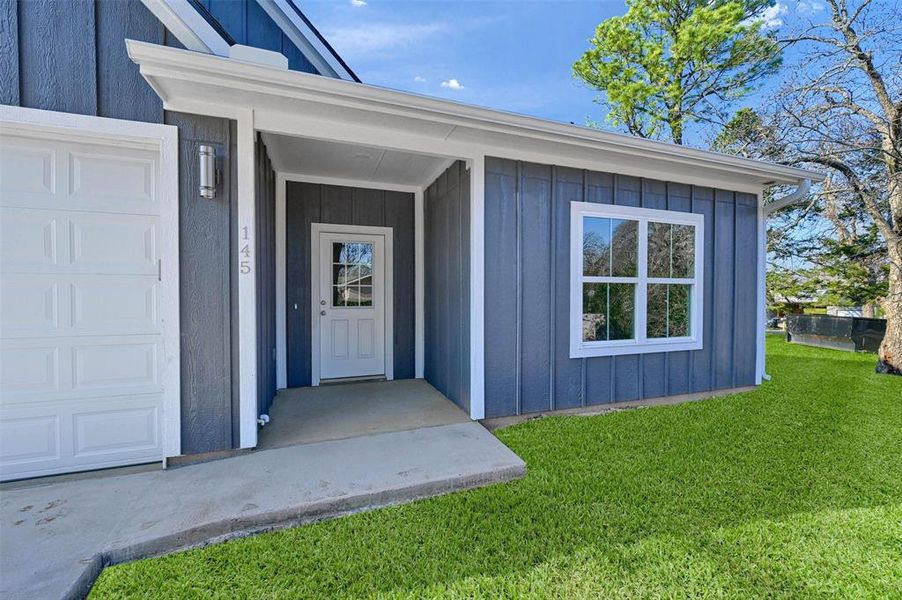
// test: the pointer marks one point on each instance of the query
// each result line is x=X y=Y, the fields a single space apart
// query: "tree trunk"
x=889 y=357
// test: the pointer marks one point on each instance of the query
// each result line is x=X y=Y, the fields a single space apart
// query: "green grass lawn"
x=793 y=490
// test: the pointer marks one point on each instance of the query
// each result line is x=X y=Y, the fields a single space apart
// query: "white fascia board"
x=189 y=80
x=304 y=38
x=186 y=24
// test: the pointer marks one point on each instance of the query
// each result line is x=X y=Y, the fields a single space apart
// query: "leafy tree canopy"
x=666 y=63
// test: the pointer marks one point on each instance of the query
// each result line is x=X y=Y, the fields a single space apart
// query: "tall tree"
x=668 y=63
x=841 y=111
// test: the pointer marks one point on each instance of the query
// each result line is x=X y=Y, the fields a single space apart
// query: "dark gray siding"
x=307 y=203
x=247 y=23
x=447 y=284
x=527 y=363
x=71 y=57
x=265 y=185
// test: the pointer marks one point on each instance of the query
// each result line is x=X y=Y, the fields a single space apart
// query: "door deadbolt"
x=323 y=302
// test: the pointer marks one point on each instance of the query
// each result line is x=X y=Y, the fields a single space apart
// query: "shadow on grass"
x=792 y=489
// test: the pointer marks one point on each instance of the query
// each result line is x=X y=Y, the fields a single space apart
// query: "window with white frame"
x=635 y=280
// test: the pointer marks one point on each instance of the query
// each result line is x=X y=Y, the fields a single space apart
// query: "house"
x=202 y=204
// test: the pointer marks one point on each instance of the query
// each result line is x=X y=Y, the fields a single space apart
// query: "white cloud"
x=379 y=37
x=452 y=84
x=809 y=6
x=772 y=15
x=358 y=2
x=419 y=79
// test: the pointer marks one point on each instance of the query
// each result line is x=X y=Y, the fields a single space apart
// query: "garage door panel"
x=29 y=370
x=29 y=305
x=29 y=439
x=29 y=239
x=104 y=243
x=48 y=438
x=99 y=181
x=115 y=366
x=115 y=304
x=105 y=431
x=28 y=171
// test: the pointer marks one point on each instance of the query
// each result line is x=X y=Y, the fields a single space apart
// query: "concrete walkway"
x=56 y=538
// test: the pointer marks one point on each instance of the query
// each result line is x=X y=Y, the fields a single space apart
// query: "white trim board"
x=306 y=40
x=282 y=178
x=477 y=287
x=247 y=285
x=188 y=26
x=163 y=138
x=389 y=339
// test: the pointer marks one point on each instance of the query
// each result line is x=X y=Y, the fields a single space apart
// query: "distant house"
x=201 y=204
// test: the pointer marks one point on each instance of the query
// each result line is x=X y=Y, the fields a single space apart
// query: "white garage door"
x=83 y=365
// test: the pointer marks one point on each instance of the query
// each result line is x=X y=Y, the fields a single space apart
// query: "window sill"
x=621 y=349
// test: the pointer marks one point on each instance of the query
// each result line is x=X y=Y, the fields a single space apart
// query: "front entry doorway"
x=351 y=302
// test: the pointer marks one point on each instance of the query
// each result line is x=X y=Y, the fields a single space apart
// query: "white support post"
x=419 y=284
x=477 y=287
x=247 y=288
x=281 y=312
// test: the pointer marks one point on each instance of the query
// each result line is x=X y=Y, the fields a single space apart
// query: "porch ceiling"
x=322 y=158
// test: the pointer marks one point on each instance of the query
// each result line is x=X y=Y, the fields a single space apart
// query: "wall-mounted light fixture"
x=207 y=163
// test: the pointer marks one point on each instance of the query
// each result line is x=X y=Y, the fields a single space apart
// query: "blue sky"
x=510 y=55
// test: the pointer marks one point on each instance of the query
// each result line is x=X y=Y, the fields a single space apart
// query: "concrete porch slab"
x=56 y=538
x=337 y=411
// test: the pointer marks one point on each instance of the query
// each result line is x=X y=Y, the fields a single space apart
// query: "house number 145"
x=244 y=266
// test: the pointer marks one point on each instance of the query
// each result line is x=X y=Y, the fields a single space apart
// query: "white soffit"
x=340 y=111
x=322 y=158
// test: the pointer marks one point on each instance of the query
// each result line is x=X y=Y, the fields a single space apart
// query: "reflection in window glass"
x=682 y=254
x=658 y=250
x=678 y=311
x=668 y=311
x=671 y=250
x=621 y=308
x=595 y=312
x=656 y=319
x=352 y=274
x=624 y=248
x=596 y=247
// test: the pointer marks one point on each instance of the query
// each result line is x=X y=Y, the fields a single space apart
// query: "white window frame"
x=640 y=344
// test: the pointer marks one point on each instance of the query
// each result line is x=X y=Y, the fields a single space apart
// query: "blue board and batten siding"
x=527 y=292
x=265 y=220
x=447 y=284
x=71 y=57
x=308 y=203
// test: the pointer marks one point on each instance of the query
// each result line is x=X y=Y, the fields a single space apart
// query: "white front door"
x=351 y=305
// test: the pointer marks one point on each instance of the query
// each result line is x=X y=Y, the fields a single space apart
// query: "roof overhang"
x=294 y=103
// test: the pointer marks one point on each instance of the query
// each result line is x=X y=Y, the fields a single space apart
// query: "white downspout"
x=797 y=195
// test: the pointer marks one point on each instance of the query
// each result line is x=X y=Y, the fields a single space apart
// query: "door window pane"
x=352 y=274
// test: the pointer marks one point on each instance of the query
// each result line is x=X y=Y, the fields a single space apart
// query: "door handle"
x=322 y=313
